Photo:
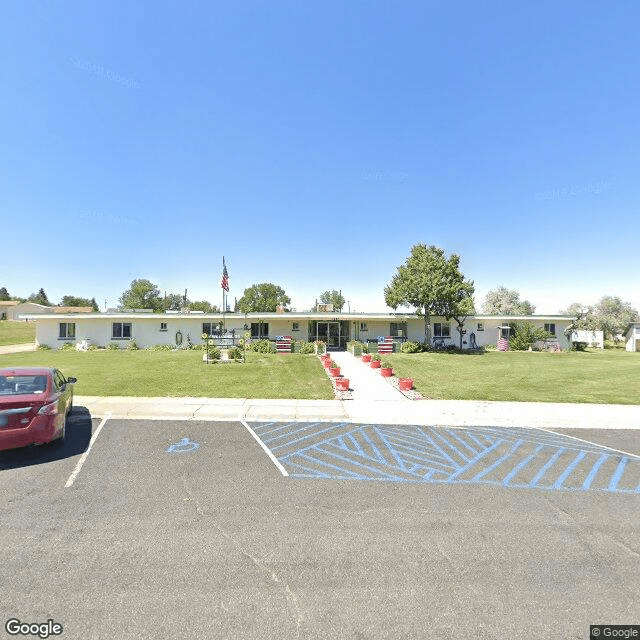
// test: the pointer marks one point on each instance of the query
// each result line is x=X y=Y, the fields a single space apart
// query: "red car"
x=34 y=404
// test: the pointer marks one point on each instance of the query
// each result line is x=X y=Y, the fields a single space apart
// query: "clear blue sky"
x=313 y=143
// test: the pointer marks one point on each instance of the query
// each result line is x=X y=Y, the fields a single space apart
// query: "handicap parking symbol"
x=184 y=446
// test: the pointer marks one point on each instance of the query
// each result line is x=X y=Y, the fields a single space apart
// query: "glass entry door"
x=329 y=333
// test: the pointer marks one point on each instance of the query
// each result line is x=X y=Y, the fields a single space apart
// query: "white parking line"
x=266 y=449
x=85 y=455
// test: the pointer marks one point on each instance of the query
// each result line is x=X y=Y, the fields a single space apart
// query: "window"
x=398 y=329
x=67 y=330
x=441 y=330
x=480 y=326
x=59 y=380
x=363 y=326
x=259 y=329
x=295 y=326
x=211 y=328
x=163 y=326
x=121 y=331
x=551 y=328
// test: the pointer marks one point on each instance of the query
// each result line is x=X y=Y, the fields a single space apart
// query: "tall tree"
x=460 y=312
x=333 y=297
x=429 y=282
x=506 y=302
x=4 y=294
x=612 y=315
x=203 y=305
x=73 y=301
x=174 y=302
x=39 y=298
x=142 y=294
x=262 y=297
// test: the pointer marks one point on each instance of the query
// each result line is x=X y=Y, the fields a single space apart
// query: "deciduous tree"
x=506 y=302
x=142 y=294
x=262 y=297
x=431 y=283
x=333 y=297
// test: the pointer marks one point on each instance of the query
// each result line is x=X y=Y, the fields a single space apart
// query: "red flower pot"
x=326 y=363
x=334 y=371
x=366 y=357
x=386 y=372
x=375 y=364
x=406 y=384
x=342 y=384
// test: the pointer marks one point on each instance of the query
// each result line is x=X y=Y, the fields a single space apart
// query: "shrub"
x=263 y=346
x=235 y=353
x=411 y=347
x=68 y=346
x=160 y=347
x=578 y=346
x=375 y=358
x=44 y=347
x=113 y=346
x=524 y=334
x=132 y=345
x=365 y=347
x=197 y=347
x=214 y=353
x=490 y=347
x=93 y=347
x=306 y=347
x=386 y=365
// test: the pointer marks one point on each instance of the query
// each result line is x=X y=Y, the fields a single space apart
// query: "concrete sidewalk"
x=17 y=348
x=432 y=412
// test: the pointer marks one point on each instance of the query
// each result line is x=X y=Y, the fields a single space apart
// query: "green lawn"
x=12 y=332
x=609 y=376
x=182 y=373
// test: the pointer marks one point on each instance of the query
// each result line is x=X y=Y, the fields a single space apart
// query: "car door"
x=65 y=391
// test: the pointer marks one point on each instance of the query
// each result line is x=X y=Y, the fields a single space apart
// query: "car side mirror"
x=72 y=380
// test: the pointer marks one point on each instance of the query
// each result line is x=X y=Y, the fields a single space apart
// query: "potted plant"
x=355 y=347
x=375 y=361
x=386 y=370
x=321 y=347
x=406 y=384
x=366 y=357
x=342 y=384
x=334 y=369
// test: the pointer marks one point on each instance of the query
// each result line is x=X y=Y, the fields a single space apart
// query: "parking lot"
x=287 y=529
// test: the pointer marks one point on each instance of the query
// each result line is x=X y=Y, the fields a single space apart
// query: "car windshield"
x=20 y=385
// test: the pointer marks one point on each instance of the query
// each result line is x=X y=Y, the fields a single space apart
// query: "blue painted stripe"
x=499 y=461
x=311 y=435
x=350 y=461
x=473 y=461
x=546 y=467
x=613 y=485
x=523 y=463
x=448 y=444
x=281 y=426
x=286 y=434
x=594 y=470
x=396 y=457
x=453 y=434
x=569 y=470
x=376 y=452
x=477 y=441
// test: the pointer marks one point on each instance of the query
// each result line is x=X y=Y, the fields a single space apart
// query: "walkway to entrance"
x=367 y=383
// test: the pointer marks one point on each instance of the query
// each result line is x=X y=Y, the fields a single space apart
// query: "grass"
x=12 y=332
x=609 y=376
x=182 y=373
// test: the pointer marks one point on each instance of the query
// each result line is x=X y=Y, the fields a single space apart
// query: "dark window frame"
x=124 y=328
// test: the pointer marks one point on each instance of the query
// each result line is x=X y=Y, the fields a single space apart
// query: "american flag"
x=225 y=277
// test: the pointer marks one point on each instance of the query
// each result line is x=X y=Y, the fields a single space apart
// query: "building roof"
x=72 y=309
x=9 y=303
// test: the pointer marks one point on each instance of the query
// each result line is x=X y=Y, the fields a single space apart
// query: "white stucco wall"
x=146 y=329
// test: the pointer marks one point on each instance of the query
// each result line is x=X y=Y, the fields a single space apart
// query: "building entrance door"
x=330 y=333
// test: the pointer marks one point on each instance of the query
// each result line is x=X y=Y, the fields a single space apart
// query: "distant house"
x=13 y=309
x=632 y=337
x=335 y=329
x=592 y=338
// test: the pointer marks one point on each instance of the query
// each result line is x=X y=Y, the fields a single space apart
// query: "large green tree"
x=333 y=297
x=431 y=283
x=506 y=302
x=610 y=314
x=203 y=305
x=39 y=298
x=74 y=301
x=262 y=297
x=4 y=294
x=142 y=294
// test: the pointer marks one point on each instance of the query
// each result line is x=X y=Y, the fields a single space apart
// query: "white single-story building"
x=14 y=309
x=334 y=328
x=592 y=338
x=632 y=337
